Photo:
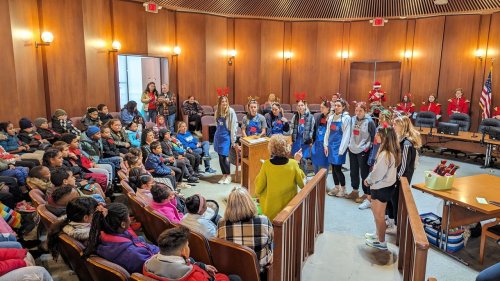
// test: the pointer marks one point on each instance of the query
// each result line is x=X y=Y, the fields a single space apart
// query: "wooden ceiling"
x=330 y=9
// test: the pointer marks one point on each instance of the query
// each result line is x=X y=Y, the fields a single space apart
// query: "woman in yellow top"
x=278 y=179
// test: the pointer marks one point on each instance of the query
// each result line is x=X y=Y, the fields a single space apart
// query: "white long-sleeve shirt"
x=384 y=171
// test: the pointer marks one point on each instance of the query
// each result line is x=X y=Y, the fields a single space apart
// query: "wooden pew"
x=296 y=228
x=411 y=237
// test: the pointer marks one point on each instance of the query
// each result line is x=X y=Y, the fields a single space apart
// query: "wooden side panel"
x=99 y=62
x=316 y=63
x=159 y=33
x=216 y=57
x=130 y=28
x=426 y=57
x=458 y=60
x=30 y=98
x=66 y=63
x=271 y=65
x=493 y=53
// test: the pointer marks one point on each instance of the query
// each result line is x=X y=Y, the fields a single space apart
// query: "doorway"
x=135 y=72
x=363 y=74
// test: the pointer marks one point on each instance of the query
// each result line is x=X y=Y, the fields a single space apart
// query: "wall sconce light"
x=47 y=38
x=287 y=55
x=345 y=55
x=177 y=50
x=408 y=55
x=115 y=46
x=231 y=54
x=480 y=53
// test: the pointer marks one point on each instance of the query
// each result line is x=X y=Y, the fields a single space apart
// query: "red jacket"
x=11 y=259
x=431 y=106
x=406 y=107
x=496 y=112
x=461 y=105
x=375 y=95
x=197 y=274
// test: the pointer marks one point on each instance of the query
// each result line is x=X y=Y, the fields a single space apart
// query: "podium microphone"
x=430 y=132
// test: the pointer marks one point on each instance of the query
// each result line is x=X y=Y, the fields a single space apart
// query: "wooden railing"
x=411 y=238
x=296 y=228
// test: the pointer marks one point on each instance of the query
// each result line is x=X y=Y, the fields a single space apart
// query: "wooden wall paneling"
x=286 y=94
x=360 y=75
x=65 y=57
x=191 y=38
x=389 y=74
x=230 y=68
x=345 y=64
x=99 y=62
x=427 y=49
x=458 y=60
x=479 y=72
x=173 y=72
x=316 y=64
x=159 y=37
x=247 y=43
x=386 y=43
x=493 y=54
x=130 y=26
x=8 y=77
x=271 y=64
x=406 y=65
x=216 y=56
x=30 y=101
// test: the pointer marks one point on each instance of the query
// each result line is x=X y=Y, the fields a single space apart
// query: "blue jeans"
x=35 y=273
x=204 y=150
x=491 y=273
x=20 y=173
x=171 y=122
x=10 y=244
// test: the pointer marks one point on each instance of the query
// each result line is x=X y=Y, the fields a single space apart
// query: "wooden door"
x=363 y=74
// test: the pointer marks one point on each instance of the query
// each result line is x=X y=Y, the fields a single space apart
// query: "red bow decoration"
x=300 y=96
x=385 y=125
x=222 y=92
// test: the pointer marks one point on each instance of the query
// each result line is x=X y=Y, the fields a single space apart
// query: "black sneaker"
x=192 y=179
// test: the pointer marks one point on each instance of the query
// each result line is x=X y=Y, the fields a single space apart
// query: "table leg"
x=448 y=214
x=487 y=160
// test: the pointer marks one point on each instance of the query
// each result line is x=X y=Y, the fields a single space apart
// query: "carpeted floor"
x=340 y=251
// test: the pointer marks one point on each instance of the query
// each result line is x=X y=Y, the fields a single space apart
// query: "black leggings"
x=338 y=176
x=224 y=165
x=197 y=122
x=359 y=163
x=29 y=163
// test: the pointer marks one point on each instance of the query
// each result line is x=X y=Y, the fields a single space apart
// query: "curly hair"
x=279 y=146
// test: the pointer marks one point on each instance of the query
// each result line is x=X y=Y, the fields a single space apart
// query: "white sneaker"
x=365 y=205
x=183 y=185
x=377 y=244
x=392 y=230
x=228 y=180
x=222 y=180
x=371 y=236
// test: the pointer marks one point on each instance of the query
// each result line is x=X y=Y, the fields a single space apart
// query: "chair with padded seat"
x=462 y=119
x=492 y=230
x=150 y=125
x=487 y=123
x=425 y=119
x=71 y=251
x=140 y=277
x=314 y=107
x=208 y=110
x=238 y=108
x=240 y=116
x=286 y=107
x=116 y=115
x=200 y=249
x=121 y=175
x=126 y=187
x=46 y=217
x=138 y=208
x=77 y=122
x=37 y=197
x=154 y=224
x=288 y=116
x=207 y=121
x=232 y=258
x=103 y=270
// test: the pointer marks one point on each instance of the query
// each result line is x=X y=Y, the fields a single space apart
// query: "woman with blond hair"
x=225 y=136
x=279 y=177
x=409 y=142
x=241 y=224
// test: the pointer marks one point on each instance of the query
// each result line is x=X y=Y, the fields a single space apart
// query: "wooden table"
x=464 y=141
x=460 y=204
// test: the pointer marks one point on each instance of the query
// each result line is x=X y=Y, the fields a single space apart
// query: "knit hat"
x=25 y=123
x=59 y=112
x=92 y=130
x=91 y=109
x=39 y=121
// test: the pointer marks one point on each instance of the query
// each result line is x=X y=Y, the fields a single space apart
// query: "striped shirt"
x=256 y=233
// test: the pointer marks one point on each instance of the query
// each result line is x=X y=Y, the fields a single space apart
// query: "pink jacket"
x=168 y=209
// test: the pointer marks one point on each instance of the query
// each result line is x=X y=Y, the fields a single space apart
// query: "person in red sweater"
x=376 y=97
x=458 y=104
x=431 y=106
x=406 y=107
x=173 y=261
x=17 y=263
x=496 y=112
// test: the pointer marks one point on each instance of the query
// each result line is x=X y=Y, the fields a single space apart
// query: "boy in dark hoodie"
x=104 y=113
x=91 y=118
x=42 y=127
x=29 y=135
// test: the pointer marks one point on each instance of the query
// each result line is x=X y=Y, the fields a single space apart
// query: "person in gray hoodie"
x=360 y=143
x=382 y=183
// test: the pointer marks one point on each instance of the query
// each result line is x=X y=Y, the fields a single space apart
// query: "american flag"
x=485 y=100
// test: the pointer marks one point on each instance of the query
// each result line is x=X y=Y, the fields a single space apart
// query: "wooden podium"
x=252 y=151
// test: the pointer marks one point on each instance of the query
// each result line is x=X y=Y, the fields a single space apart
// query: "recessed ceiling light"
x=440 y=2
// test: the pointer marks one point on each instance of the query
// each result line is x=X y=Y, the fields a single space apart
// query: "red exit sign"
x=151 y=7
x=378 y=21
